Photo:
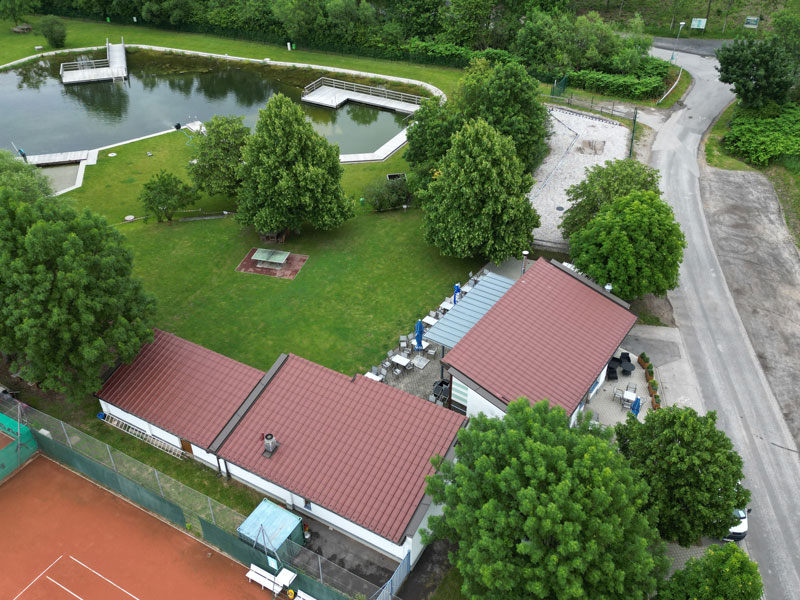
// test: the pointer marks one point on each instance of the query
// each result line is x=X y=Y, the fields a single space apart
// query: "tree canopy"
x=69 y=306
x=537 y=509
x=23 y=178
x=478 y=205
x=164 y=194
x=218 y=155
x=760 y=71
x=722 y=573
x=14 y=10
x=602 y=184
x=290 y=174
x=430 y=136
x=693 y=471
x=633 y=243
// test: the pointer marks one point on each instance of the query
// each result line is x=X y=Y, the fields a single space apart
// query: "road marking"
x=37 y=577
x=63 y=588
x=108 y=580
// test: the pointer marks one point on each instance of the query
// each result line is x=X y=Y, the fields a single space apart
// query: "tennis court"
x=67 y=538
x=4 y=440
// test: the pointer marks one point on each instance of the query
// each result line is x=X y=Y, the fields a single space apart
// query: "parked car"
x=738 y=531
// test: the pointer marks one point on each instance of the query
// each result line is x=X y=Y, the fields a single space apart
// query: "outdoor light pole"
x=682 y=23
x=524 y=260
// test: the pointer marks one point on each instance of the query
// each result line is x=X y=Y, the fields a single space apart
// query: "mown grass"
x=716 y=155
x=363 y=285
x=81 y=33
x=450 y=588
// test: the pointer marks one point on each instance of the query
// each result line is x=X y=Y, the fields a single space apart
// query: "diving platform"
x=114 y=66
x=332 y=93
x=59 y=158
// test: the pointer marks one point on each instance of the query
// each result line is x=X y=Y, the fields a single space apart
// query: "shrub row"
x=626 y=86
x=652 y=67
x=759 y=139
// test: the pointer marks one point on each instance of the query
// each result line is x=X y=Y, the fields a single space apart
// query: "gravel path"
x=578 y=141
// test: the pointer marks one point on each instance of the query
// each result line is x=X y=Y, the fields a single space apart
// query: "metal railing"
x=363 y=89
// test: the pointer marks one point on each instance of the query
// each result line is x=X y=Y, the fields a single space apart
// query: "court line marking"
x=37 y=577
x=63 y=588
x=106 y=578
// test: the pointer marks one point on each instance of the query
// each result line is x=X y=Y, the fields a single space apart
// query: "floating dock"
x=59 y=158
x=113 y=67
x=332 y=93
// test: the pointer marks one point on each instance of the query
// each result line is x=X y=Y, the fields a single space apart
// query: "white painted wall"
x=165 y=435
x=600 y=380
x=208 y=459
x=416 y=547
x=149 y=428
x=478 y=404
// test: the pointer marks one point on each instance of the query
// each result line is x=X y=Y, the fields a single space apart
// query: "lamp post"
x=682 y=23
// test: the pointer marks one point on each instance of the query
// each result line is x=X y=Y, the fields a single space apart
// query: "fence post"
x=160 y=489
x=211 y=510
x=633 y=131
x=319 y=562
x=113 y=464
x=66 y=437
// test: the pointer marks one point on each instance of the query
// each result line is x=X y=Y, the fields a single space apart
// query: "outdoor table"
x=424 y=344
x=420 y=361
x=401 y=360
x=466 y=288
x=374 y=377
x=628 y=396
x=429 y=320
x=445 y=306
x=267 y=258
x=285 y=577
x=627 y=367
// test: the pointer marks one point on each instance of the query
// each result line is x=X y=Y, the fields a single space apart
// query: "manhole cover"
x=559 y=208
x=130 y=218
x=112 y=154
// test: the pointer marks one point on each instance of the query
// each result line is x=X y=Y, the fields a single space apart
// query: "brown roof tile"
x=549 y=336
x=357 y=447
x=181 y=387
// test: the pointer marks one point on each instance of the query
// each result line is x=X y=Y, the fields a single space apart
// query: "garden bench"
x=301 y=595
x=263 y=578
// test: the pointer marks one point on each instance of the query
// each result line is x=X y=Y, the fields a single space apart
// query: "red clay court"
x=67 y=538
x=4 y=440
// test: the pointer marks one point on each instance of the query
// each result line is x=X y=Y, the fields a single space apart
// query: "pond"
x=41 y=115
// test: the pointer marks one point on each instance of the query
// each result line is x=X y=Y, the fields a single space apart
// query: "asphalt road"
x=689 y=46
x=730 y=376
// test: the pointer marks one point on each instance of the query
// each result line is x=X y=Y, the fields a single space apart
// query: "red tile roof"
x=181 y=387
x=549 y=337
x=356 y=447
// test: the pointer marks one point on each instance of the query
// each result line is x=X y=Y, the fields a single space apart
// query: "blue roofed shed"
x=269 y=526
x=469 y=310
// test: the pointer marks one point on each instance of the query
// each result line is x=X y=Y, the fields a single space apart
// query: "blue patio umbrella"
x=636 y=407
x=456 y=291
x=419 y=330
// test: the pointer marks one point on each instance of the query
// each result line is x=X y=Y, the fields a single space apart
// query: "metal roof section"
x=463 y=316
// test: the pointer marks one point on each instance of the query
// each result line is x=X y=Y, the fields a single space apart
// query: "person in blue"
x=23 y=155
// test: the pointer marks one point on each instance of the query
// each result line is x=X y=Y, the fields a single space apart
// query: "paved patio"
x=608 y=411
x=419 y=382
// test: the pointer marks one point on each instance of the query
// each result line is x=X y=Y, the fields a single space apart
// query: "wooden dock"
x=113 y=67
x=332 y=93
x=59 y=158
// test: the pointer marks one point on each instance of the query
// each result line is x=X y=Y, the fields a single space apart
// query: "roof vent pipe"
x=608 y=287
x=270 y=444
x=524 y=261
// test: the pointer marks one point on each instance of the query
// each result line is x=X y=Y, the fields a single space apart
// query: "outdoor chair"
x=631 y=387
x=431 y=352
x=384 y=374
x=432 y=314
x=398 y=371
x=388 y=362
x=618 y=394
x=374 y=370
x=432 y=398
x=470 y=274
x=403 y=342
x=625 y=357
x=409 y=366
x=611 y=373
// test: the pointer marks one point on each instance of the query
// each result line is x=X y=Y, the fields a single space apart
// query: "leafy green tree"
x=692 y=469
x=760 y=71
x=69 y=306
x=592 y=43
x=543 y=43
x=218 y=155
x=429 y=138
x=164 y=194
x=14 y=10
x=507 y=98
x=537 y=509
x=786 y=29
x=290 y=174
x=468 y=23
x=722 y=573
x=634 y=243
x=23 y=178
x=420 y=18
x=602 y=184
x=54 y=31
x=478 y=205
x=300 y=17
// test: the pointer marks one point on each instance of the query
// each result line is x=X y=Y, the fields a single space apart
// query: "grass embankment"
x=82 y=33
x=784 y=173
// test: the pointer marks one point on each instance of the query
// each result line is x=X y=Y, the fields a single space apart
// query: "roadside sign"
x=699 y=23
x=751 y=22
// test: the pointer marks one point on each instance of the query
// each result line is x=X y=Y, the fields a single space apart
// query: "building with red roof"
x=351 y=452
x=550 y=336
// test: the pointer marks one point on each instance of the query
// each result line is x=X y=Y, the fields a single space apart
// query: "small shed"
x=269 y=526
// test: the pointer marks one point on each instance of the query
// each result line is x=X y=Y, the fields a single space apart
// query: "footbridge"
x=113 y=67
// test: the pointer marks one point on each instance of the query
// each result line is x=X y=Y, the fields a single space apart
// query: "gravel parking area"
x=578 y=140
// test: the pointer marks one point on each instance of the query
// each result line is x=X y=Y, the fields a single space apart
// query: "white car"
x=738 y=531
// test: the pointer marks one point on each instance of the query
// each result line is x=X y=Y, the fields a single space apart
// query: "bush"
x=54 y=31
x=652 y=67
x=626 y=86
x=388 y=194
x=760 y=137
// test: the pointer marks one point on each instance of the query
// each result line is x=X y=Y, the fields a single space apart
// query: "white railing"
x=82 y=65
x=363 y=89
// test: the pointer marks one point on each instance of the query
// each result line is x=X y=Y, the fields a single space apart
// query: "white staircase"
x=143 y=435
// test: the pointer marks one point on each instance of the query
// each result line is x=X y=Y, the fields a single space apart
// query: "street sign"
x=751 y=22
x=699 y=23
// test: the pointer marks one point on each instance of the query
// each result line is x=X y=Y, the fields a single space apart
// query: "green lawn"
x=450 y=588
x=716 y=156
x=91 y=33
x=364 y=284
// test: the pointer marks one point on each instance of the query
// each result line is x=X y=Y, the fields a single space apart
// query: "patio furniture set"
x=623 y=362
x=627 y=396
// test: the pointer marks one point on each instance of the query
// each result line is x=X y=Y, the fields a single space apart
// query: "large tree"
x=633 y=243
x=164 y=194
x=537 y=509
x=290 y=174
x=14 y=10
x=21 y=177
x=722 y=573
x=429 y=137
x=218 y=155
x=760 y=71
x=478 y=205
x=69 y=306
x=601 y=185
x=693 y=471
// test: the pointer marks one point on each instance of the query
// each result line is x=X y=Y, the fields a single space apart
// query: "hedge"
x=759 y=139
x=626 y=86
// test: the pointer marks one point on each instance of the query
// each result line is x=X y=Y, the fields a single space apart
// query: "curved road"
x=730 y=376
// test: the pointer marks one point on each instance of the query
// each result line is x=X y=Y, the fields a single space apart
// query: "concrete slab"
x=61 y=177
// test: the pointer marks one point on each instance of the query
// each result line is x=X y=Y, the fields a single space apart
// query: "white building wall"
x=416 y=546
x=475 y=402
x=149 y=428
x=257 y=482
x=208 y=458
x=165 y=435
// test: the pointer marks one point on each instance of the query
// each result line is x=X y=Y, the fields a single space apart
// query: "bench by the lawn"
x=264 y=579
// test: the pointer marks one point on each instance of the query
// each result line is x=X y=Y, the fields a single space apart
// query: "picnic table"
x=401 y=360
x=267 y=258
x=429 y=320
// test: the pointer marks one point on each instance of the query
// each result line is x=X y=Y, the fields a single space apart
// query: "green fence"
x=559 y=87
x=20 y=449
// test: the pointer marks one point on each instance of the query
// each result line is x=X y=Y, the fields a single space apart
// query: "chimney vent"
x=270 y=444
